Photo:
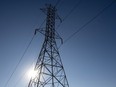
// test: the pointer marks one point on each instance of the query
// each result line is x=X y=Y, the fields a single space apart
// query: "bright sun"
x=32 y=73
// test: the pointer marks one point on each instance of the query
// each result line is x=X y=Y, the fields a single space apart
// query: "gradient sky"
x=89 y=58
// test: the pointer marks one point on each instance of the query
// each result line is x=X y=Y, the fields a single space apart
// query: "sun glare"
x=32 y=73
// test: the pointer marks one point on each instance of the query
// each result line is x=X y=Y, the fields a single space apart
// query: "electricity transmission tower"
x=49 y=67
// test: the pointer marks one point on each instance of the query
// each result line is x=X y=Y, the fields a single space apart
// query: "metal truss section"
x=49 y=67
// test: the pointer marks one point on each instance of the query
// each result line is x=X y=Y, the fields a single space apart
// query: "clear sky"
x=89 y=57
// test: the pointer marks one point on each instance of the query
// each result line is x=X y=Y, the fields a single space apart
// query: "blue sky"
x=89 y=58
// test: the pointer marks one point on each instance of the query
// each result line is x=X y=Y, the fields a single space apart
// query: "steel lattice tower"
x=49 y=67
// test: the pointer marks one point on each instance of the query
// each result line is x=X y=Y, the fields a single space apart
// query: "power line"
x=19 y=62
x=23 y=74
x=21 y=58
x=41 y=24
x=70 y=12
x=58 y=1
x=72 y=35
x=73 y=9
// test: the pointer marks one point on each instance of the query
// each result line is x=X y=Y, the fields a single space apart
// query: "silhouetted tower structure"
x=49 y=67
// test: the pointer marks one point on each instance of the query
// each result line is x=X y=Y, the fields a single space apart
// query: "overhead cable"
x=93 y=18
